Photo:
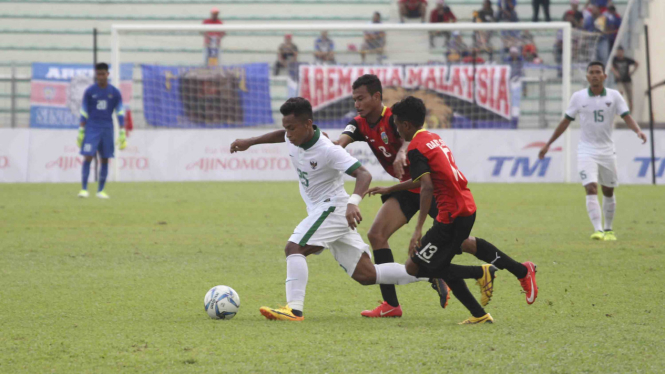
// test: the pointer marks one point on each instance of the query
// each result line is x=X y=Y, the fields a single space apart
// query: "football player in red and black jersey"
x=433 y=169
x=375 y=125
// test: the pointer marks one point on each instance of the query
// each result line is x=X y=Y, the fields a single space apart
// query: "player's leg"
x=89 y=146
x=388 y=220
x=107 y=150
x=524 y=272
x=297 y=275
x=588 y=170
x=608 y=178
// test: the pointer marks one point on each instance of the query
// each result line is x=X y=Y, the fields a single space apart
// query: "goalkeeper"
x=96 y=131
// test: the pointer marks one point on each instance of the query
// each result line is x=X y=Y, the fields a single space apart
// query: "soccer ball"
x=221 y=302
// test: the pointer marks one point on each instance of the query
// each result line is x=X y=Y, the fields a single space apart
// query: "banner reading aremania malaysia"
x=207 y=97
x=56 y=93
x=456 y=96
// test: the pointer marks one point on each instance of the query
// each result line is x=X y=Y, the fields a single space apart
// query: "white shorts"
x=598 y=169
x=327 y=227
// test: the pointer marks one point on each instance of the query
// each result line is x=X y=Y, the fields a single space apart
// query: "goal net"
x=470 y=75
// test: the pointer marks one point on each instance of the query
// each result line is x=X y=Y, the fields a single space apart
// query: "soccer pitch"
x=90 y=285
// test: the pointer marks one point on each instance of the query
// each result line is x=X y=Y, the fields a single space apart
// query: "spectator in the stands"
x=212 y=40
x=597 y=23
x=474 y=57
x=536 y=4
x=457 y=49
x=622 y=72
x=601 y=4
x=287 y=55
x=324 y=49
x=613 y=23
x=482 y=39
x=574 y=11
x=375 y=41
x=516 y=63
x=412 y=9
x=558 y=45
x=530 y=54
x=506 y=11
x=441 y=14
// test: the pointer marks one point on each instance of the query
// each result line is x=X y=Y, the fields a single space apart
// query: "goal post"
x=177 y=45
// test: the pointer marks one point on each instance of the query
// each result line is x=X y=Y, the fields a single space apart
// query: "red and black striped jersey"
x=428 y=154
x=382 y=138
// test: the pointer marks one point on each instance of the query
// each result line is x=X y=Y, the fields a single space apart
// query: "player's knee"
x=411 y=267
x=364 y=278
x=469 y=245
x=292 y=249
x=608 y=191
x=376 y=238
x=591 y=189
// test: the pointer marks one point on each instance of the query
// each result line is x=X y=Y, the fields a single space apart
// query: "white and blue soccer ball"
x=221 y=302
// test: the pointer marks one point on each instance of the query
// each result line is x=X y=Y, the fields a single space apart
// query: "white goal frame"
x=566 y=58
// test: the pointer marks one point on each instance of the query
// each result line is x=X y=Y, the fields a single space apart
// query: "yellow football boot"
x=598 y=235
x=280 y=314
x=477 y=321
x=609 y=236
x=486 y=283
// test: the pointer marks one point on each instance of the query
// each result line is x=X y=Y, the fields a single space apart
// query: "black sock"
x=487 y=252
x=464 y=272
x=462 y=293
x=383 y=256
x=297 y=313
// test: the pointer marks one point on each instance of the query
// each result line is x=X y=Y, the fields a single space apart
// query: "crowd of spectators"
x=599 y=19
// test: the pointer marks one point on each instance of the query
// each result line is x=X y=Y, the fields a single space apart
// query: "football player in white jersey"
x=332 y=214
x=596 y=159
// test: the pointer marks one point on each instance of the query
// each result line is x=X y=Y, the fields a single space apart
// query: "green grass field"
x=118 y=285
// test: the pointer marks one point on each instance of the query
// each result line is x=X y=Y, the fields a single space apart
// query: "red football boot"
x=382 y=311
x=529 y=283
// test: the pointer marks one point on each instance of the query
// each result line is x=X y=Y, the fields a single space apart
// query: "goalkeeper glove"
x=79 y=138
x=122 y=139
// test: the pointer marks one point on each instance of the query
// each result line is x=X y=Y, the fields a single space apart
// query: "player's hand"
x=353 y=217
x=399 y=164
x=122 y=139
x=376 y=191
x=415 y=242
x=79 y=138
x=240 y=145
x=642 y=136
x=543 y=151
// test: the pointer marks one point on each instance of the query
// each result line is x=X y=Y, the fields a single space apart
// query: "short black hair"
x=102 y=66
x=371 y=82
x=298 y=106
x=619 y=48
x=595 y=63
x=612 y=8
x=411 y=109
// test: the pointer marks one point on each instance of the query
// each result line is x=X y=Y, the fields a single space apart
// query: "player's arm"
x=363 y=180
x=349 y=135
x=630 y=122
x=408 y=185
x=426 y=195
x=84 y=119
x=569 y=116
x=240 y=145
x=400 y=159
x=120 y=114
x=420 y=171
x=636 y=64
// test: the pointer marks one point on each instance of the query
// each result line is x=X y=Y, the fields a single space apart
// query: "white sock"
x=296 y=281
x=609 y=206
x=393 y=273
x=593 y=208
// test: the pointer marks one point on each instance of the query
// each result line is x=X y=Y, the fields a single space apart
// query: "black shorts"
x=442 y=242
x=409 y=203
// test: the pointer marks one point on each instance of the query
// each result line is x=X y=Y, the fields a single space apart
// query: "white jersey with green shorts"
x=320 y=166
x=596 y=158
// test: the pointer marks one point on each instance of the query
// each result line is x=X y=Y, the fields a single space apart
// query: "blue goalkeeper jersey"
x=99 y=104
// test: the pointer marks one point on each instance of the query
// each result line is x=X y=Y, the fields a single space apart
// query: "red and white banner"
x=504 y=156
x=325 y=84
